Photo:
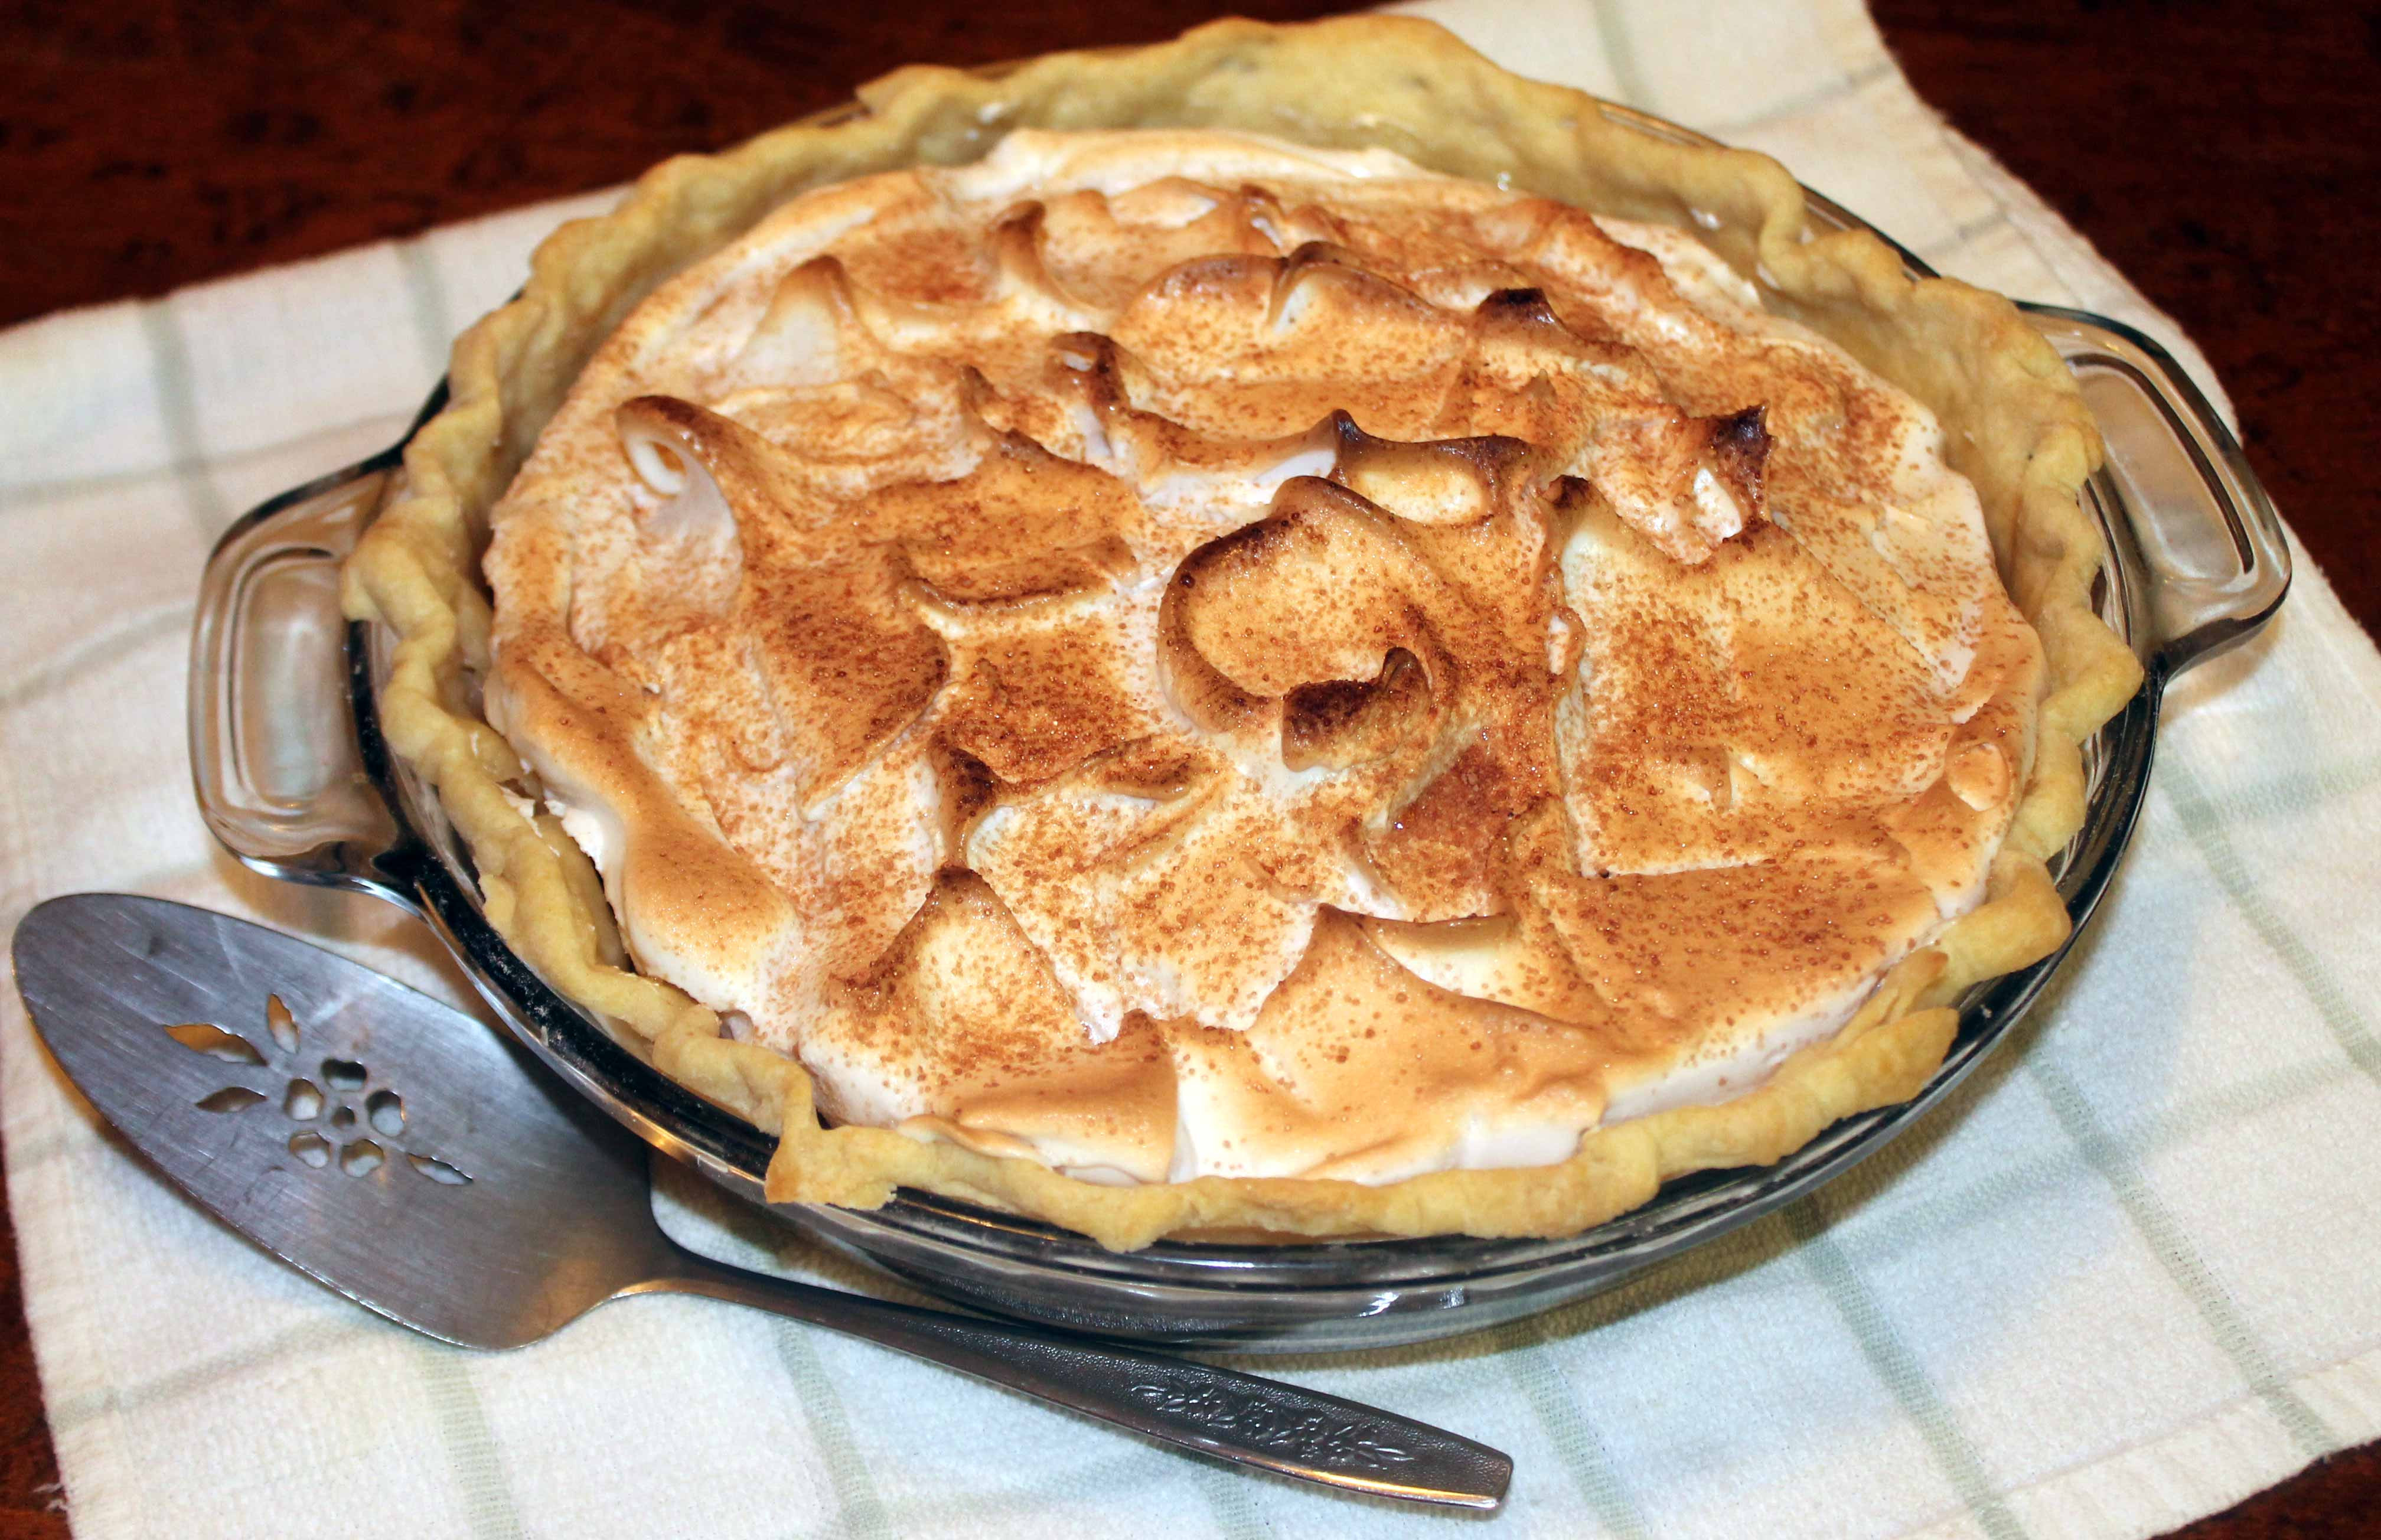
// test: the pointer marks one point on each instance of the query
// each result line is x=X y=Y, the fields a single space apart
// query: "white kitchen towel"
x=2130 y=1275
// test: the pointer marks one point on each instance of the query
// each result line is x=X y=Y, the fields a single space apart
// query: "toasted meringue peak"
x=1231 y=658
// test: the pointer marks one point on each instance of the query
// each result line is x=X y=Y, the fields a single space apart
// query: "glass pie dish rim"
x=393 y=843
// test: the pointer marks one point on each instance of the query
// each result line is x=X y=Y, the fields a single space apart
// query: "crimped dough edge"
x=2016 y=426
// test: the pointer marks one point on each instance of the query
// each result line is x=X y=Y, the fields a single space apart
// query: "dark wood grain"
x=2226 y=156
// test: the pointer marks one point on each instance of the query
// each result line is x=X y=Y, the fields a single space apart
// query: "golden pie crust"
x=2015 y=427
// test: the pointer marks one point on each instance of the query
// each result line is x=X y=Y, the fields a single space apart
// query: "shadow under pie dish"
x=1351 y=603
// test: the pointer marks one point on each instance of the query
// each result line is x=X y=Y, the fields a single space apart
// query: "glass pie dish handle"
x=2200 y=557
x=275 y=758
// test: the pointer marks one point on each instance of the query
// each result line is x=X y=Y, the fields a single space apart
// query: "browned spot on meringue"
x=1341 y=723
x=1736 y=449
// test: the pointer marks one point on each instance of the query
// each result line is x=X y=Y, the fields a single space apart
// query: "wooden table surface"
x=2223 y=155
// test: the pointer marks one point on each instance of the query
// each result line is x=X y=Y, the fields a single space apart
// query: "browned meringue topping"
x=1178 y=655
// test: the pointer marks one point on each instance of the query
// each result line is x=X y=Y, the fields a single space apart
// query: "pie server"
x=400 y=1152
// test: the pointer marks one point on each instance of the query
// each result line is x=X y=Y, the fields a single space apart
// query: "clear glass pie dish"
x=293 y=775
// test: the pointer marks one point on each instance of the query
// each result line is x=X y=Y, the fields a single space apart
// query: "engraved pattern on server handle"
x=1313 y=1438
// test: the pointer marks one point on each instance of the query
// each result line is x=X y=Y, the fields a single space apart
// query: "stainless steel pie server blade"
x=411 y=1159
x=303 y=1098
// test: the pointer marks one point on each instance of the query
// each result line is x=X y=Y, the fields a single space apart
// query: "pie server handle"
x=1203 y=1407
